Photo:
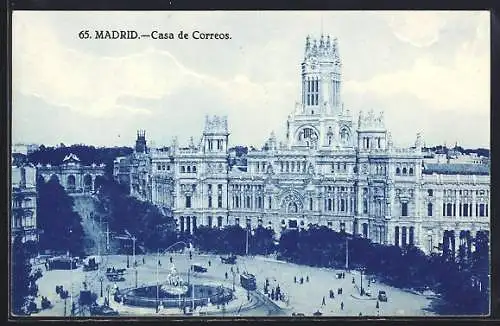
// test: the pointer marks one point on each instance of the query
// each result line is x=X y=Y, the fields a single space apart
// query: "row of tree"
x=61 y=226
x=152 y=228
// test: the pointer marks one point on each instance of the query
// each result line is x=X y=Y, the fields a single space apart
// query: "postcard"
x=250 y=163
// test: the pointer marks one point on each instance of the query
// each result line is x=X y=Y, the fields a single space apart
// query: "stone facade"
x=329 y=171
x=23 y=203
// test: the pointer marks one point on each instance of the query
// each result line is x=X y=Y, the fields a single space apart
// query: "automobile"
x=198 y=268
x=228 y=260
x=382 y=296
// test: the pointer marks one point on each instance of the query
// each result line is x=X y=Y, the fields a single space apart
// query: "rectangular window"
x=454 y=209
x=270 y=203
x=430 y=192
x=444 y=209
x=342 y=226
x=404 y=209
x=365 y=206
x=342 y=205
x=219 y=221
x=210 y=201
x=210 y=221
x=429 y=209
x=209 y=187
x=188 y=201
x=219 y=187
x=237 y=221
x=465 y=209
x=219 y=201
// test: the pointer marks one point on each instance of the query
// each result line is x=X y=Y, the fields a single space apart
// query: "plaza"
x=303 y=298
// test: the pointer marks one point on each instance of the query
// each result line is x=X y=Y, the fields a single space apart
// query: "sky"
x=429 y=72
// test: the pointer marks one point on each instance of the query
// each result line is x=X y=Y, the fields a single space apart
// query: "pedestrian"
x=237 y=270
x=209 y=263
x=231 y=269
x=323 y=303
x=159 y=263
x=171 y=260
x=226 y=275
x=248 y=296
x=143 y=260
x=73 y=308
x=295 y=279
x=360 y=314
x=377 y=306
x=342 y=305
x=307 y=278
x=353 y=280
x=301 y=280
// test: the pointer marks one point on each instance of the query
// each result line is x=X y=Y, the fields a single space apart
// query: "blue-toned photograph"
x=250 y=163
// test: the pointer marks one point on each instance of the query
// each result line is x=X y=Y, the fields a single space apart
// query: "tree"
x=262 y=241
x=23 y=283
x=62 y=226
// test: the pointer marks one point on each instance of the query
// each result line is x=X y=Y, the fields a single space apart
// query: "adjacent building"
x=23 y=203
x=330 y=170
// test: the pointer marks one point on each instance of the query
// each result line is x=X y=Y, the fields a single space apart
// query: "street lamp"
x=251 y=232
x=157 y=272
x=70 y=272
x=347 y=253
x=101 y=279
x=361 y=279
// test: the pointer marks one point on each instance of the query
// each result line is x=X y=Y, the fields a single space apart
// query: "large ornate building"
x=330 y=171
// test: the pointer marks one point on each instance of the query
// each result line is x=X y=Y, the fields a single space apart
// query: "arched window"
x=404 y=171
x=398 y=171
x=410 y=171
x=194 y=169
x=183 y=169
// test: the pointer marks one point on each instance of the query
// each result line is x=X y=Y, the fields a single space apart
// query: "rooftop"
x=457 y=168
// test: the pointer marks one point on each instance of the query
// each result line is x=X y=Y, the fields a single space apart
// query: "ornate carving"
x=322 y=50
x=371 y=121
x=216 y=124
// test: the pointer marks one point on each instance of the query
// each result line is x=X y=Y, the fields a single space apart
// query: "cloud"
x=419 y=28
x=95 y=85
x=461 y=85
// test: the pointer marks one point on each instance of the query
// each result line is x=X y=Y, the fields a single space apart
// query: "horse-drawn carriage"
x=231 y=259
x=90 y=265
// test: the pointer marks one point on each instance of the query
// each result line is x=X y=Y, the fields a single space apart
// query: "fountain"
x=175 y=292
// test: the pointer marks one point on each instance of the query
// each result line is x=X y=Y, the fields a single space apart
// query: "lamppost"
x=101 y=279
x=157 y=272
x=361 y=280
x=234 y=277
x=347 y=253
x=249 y=231
x=70 y=272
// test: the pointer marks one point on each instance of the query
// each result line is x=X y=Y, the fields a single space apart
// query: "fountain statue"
x=174 y=283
